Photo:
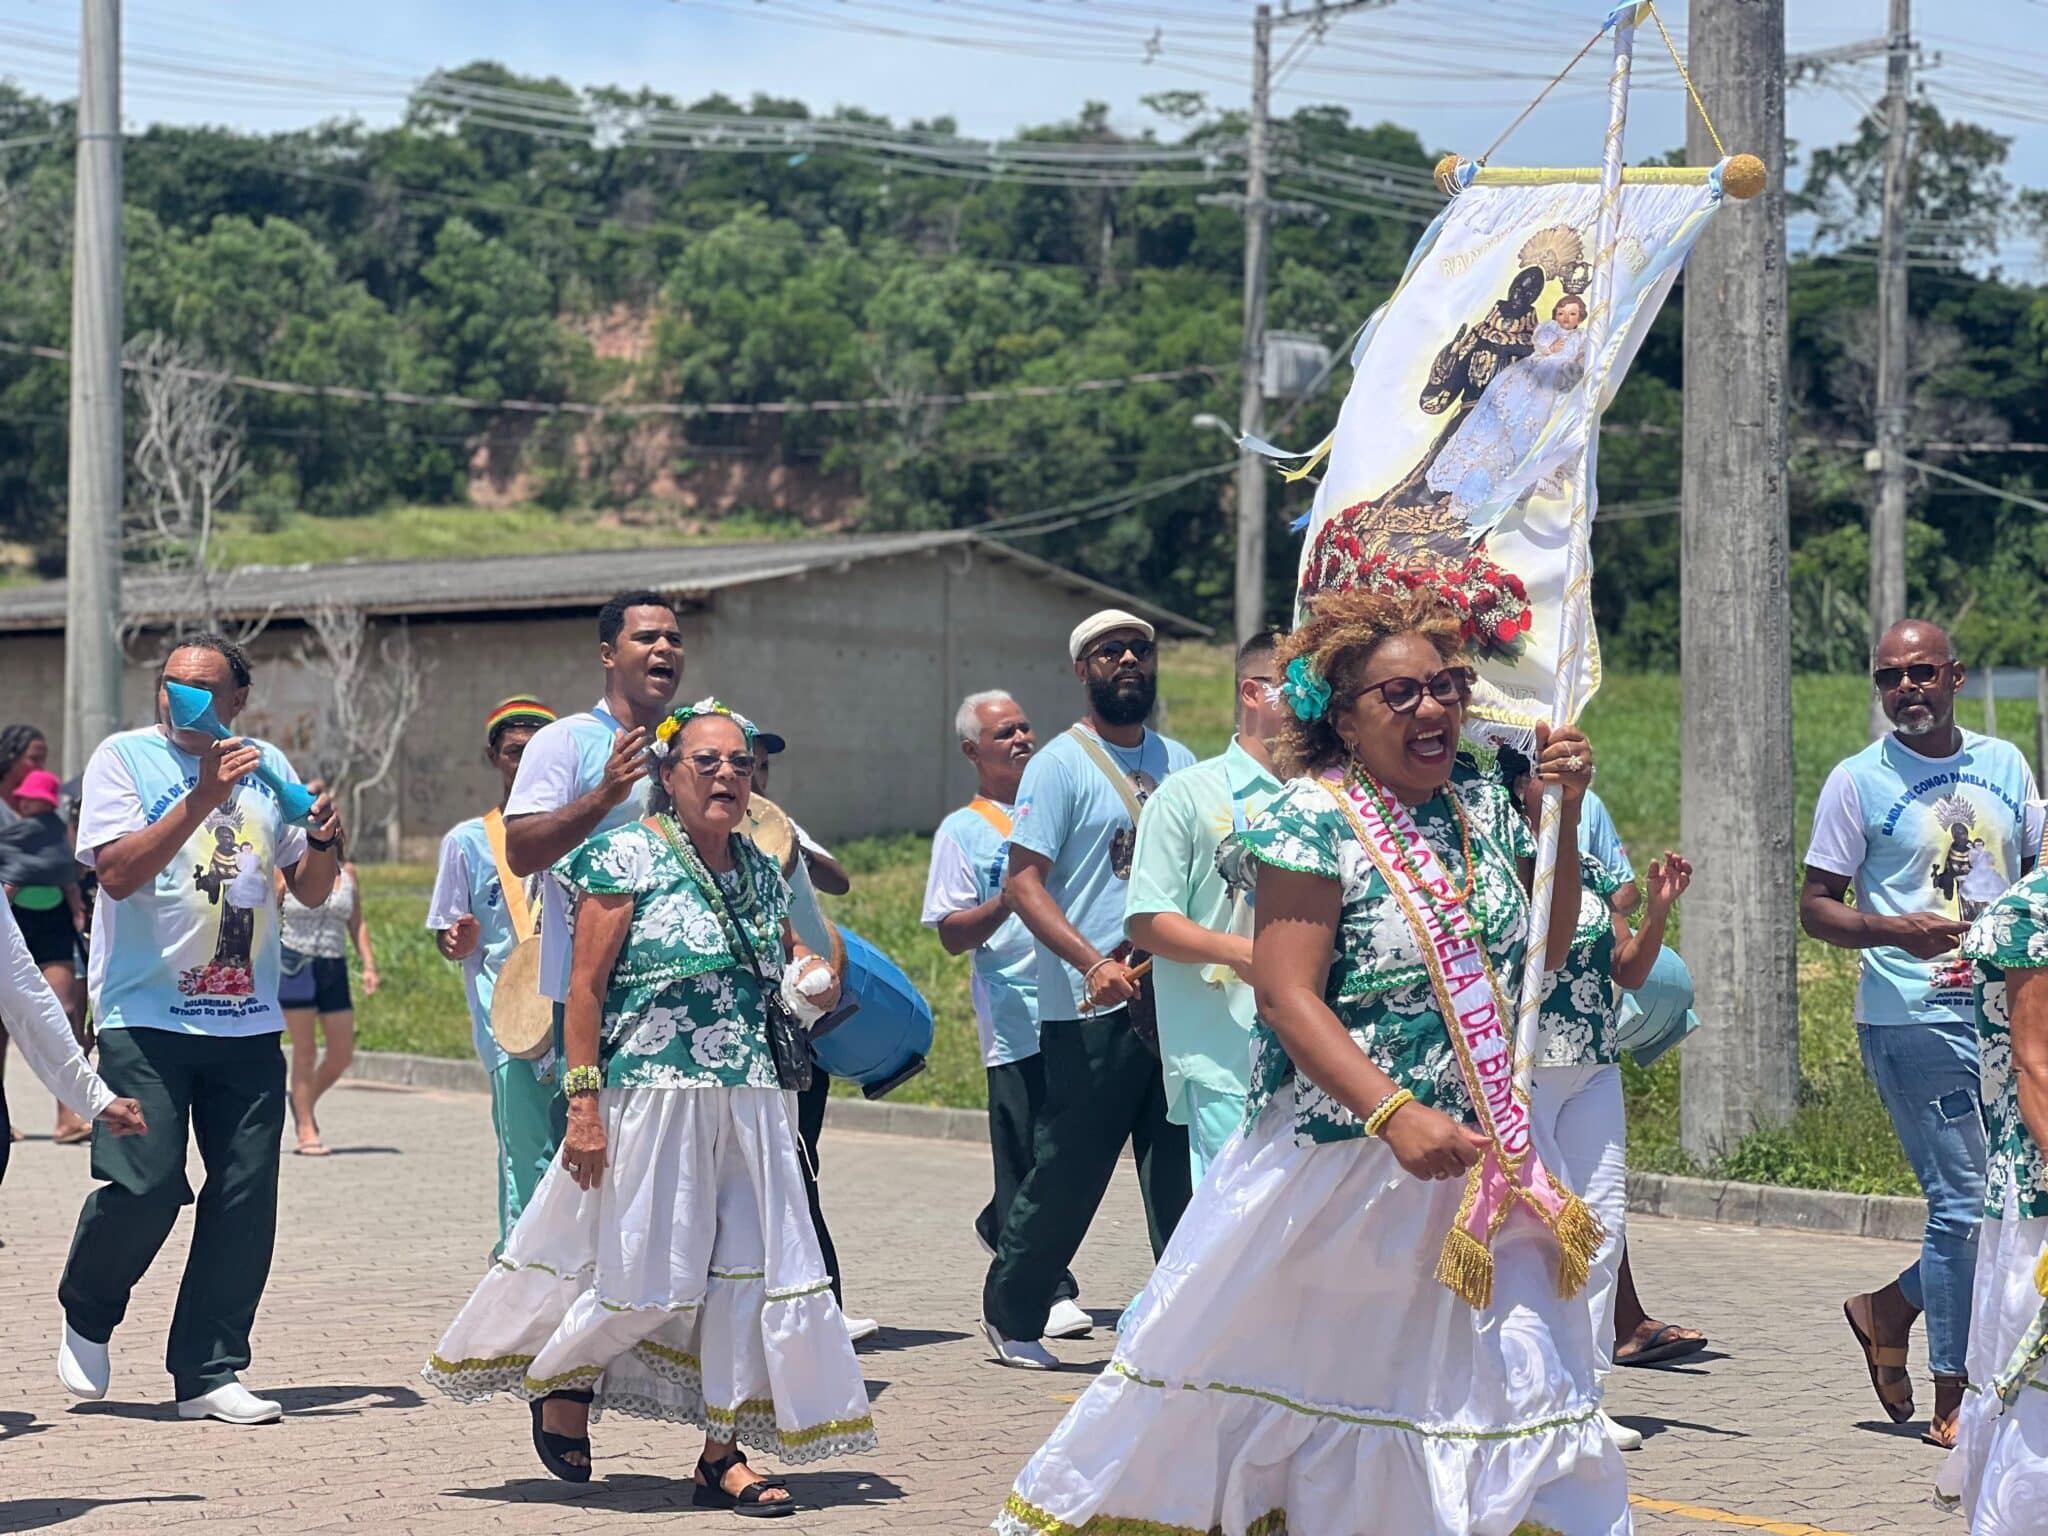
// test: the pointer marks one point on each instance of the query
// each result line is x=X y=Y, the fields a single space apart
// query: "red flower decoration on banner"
x=1491 y=600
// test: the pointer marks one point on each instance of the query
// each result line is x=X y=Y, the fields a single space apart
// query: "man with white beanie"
x=1071 y=843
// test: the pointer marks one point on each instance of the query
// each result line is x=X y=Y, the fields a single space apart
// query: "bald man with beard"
x=1889 y=822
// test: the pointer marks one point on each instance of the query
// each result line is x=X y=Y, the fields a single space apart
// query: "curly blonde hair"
x=1342 y=632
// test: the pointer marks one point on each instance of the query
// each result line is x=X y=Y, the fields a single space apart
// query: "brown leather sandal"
x=1894 y=1394
x=1939 y=1435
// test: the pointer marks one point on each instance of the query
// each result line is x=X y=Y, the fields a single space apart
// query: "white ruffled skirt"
x=1294 y=1366
x=1999 y=1468
x=688 y=1286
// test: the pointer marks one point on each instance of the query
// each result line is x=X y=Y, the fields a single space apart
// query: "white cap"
x=1096 y=625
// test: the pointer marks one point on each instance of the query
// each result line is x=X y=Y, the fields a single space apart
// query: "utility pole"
x=1251 y=409
x=1742 y=1070
x=92 y=620
x=1259 y=208
x=1888 y=518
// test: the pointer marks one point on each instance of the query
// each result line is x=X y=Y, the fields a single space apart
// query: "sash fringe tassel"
x=1466 y=1267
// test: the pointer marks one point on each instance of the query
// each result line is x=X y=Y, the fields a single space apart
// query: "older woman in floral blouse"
x=666 y=1267
x=1575 y=1090
x=1325 y=1343
x=1999 y=1468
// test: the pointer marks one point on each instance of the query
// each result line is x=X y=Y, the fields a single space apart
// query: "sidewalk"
x=1774 y=1430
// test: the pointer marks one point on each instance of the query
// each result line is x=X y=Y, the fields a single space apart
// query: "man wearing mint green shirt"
x=188 y=844
x=1071 y=848
x=1925 y=822
x=1197 y=926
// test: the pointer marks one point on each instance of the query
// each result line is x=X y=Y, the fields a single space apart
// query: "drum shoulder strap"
x=1110 y=771
x=518 y=905
x=992 y=813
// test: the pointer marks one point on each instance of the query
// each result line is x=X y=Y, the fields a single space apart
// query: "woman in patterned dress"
x=1576 y=1088
x=1999 y=1468
x=666 y=1267
x=1295 y=1363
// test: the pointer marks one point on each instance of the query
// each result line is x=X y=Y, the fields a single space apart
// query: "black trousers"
x=810 y=1125
x=1102 y=1088
x=1016 y=1100
x=228 y=1095
x=6 y=1136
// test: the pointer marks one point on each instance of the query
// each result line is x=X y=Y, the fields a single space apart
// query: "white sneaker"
x=1024 y=1354
x=83 y=1366
x=1067 y=1321
x=1623 y=1438
x=858 y=1328
x=231 y=1404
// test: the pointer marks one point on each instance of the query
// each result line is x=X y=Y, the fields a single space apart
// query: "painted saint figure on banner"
x=1499 y=382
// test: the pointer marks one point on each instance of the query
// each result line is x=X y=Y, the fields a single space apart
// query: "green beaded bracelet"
x=582 y=1080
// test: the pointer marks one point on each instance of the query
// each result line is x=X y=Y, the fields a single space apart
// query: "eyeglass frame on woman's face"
x=705 y=763
x=1906 y=674
x=1463 y=678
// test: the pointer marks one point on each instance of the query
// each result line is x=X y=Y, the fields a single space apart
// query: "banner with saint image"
x=1461 y=455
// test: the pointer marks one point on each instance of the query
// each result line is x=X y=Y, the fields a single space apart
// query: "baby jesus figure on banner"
x=1495 y=439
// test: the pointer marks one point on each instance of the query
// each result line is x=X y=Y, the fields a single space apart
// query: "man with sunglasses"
x=1196 y=923
x=1887 y=821
x=1070 y=851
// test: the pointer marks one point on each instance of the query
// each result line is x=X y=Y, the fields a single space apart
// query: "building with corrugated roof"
x=857 y=649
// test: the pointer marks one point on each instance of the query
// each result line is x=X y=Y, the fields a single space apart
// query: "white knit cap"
x=1096 y=625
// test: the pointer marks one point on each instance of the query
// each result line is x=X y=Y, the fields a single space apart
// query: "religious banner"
x=1462 y=456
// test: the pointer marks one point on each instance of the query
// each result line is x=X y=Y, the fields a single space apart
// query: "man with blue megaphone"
x=187 y=828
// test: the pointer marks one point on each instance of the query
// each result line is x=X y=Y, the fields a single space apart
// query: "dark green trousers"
x=230 y=1094
x=1016 y=1100
x=1102 y=1088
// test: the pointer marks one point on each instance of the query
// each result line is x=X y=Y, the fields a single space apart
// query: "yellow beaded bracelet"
x=582 y=1080
x=1377 y=1121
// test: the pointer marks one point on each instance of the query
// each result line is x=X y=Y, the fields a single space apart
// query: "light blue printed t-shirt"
x=969 y=858
x=1923 y=834
x=1599 y=837
x=467 y=885
x=196 y=950
x=1069 y=812
x=563 y=763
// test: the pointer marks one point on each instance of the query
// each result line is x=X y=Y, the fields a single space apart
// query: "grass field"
x=1840 y=1139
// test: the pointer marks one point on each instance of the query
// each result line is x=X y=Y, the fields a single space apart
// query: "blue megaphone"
x=192 y=710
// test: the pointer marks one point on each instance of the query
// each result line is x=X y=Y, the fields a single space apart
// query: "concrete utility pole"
x=1252 y=470
x=1742 y=1070
x=1251 y=409
x=1888 y=519
x=92 y=623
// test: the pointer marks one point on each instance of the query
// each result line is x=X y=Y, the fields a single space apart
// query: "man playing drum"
x=587 y=773
x=1069 y=880
x=479 y=914
x=963 y=904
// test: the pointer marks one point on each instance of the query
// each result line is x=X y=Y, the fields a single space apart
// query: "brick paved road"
x=379 y=1244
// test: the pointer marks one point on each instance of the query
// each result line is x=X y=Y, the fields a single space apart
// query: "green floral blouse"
x=682 y=1010
x=1379 y=985
x=2011 y=936
x=1578 y=997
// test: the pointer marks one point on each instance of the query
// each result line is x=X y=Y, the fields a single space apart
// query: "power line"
x=663 y=408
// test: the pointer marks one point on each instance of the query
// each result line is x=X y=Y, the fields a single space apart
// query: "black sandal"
x=751 y=1501
x=553 y=1448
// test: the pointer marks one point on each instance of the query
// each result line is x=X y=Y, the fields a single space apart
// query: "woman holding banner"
x=1368 y=1292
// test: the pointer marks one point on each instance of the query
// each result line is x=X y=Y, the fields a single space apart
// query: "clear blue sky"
x=1454 y=70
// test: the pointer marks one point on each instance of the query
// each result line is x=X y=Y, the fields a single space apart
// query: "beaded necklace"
x=736 y=943
x=1363 y=780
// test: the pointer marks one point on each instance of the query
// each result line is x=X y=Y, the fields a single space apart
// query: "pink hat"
x=40 y=785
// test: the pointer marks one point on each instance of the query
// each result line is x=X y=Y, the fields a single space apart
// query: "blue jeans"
x=1927 y=1076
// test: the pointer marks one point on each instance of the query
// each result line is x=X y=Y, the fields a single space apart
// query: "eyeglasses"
x=1113 y=650
x=1403 y=695
x=707 y=764
x=1919 y=674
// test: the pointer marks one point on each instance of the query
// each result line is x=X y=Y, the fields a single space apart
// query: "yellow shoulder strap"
x=991 y=813
x=517 y=907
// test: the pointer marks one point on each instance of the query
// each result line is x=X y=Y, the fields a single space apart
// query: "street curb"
x=1895 y=1217
x=1650 y=1194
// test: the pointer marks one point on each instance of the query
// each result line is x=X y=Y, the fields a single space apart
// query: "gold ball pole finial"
x=1447 y=175
x=1744 y=177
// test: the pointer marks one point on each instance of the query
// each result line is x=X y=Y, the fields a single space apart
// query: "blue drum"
x=882 y=1028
